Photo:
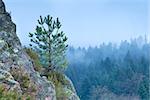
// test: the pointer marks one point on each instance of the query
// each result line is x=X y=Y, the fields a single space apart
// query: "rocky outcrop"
x=13 y=56
x=7 y=78
x=15 y=64
x=70 y=90
x=2 y=7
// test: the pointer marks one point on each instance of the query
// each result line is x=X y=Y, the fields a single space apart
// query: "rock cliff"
x=15 y=63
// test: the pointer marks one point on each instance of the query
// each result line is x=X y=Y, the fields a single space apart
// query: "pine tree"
x=50 y=43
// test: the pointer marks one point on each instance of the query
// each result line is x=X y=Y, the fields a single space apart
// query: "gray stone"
x=7 y=78
x=2 y=7
x=3 y=45
x=70 y=90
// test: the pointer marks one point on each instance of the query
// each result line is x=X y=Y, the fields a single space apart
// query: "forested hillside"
x=110 y=71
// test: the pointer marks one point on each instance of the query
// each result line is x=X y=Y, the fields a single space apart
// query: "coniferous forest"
x=111 y=71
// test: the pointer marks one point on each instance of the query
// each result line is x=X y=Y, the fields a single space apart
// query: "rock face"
x=70 y=90
x=12 y=56
x=6 y=77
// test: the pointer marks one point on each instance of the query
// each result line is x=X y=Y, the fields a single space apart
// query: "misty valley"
x=111 y=71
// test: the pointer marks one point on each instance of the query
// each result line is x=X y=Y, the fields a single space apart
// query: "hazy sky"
x=86 y=22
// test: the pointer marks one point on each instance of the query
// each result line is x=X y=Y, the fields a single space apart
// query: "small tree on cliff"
x=50 y=43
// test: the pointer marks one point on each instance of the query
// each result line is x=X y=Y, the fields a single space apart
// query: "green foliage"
x=35 y=58
x=11 y=95
x=60 y=93
x=50 y=43
x=144 y=90
x=26 y=85
x=5 y=95
x=59 y=81
x=21 y=77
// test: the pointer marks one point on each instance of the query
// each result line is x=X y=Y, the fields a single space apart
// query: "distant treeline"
x=110 y=71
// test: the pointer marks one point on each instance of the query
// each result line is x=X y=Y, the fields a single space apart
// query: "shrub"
x=59 y=81
x=26 y=85
x=34 y=56
x=11 y=95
